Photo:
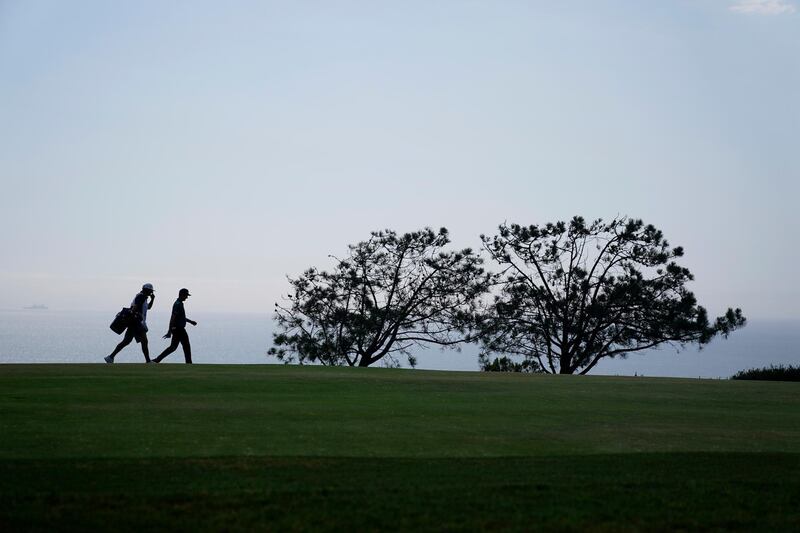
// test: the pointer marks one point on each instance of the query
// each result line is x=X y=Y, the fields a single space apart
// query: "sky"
x=222 y=146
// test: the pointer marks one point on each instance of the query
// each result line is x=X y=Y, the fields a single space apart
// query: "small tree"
x=391 y=293
x=575 y=293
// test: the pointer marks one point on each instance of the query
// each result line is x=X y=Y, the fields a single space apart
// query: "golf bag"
x=121 y=321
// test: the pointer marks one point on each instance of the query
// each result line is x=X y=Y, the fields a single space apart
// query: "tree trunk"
x=564 y=363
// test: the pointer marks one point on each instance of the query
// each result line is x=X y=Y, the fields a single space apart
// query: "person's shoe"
x=150 y=361
x=108 y=359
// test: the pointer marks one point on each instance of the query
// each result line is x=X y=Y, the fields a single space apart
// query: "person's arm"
x=171 y=327
x=171 y=324
x=184 y=318
x=152 y=299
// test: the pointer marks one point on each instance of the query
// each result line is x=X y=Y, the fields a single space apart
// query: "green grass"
x=134 y=447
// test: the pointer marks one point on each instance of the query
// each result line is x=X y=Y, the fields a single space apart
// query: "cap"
x=147 y=286
x=184 y=291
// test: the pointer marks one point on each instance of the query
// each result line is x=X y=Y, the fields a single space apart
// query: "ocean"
x=57 y=336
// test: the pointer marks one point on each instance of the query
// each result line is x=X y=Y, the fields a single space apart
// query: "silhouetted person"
x=177 y=329
x=137 y=329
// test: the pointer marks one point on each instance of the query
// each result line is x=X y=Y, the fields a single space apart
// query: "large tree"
x=390 y=293
x=574 y=293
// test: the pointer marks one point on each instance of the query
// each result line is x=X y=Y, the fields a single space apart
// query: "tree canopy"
x=574 y=293
x=390 y=293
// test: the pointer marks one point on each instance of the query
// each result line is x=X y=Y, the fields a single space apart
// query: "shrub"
x=771 y=373
x=506 y=364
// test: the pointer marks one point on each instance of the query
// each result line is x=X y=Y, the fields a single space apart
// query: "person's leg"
x=145 y=348
x=173 y=345
x=126 y=340
x=187 y=348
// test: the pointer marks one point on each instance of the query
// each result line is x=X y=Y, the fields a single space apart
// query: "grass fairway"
x=135 y=447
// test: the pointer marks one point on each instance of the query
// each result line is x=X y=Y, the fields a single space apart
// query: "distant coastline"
x=36 y=306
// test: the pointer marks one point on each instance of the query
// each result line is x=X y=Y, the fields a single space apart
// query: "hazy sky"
x=223 y=145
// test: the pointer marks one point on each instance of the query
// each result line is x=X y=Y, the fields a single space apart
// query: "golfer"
x=177 y=329
x=137 y=329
